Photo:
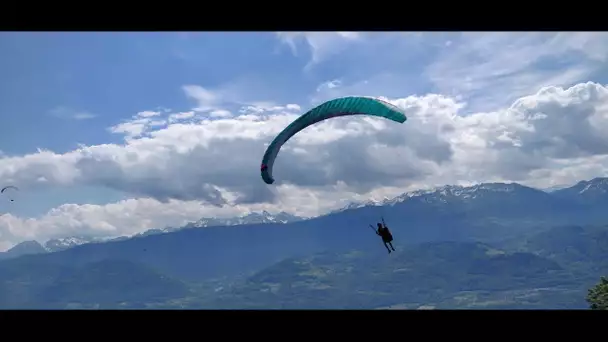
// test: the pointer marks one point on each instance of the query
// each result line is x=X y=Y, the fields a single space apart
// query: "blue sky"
x=68 y=101
x=113 y=75
x=75 y=85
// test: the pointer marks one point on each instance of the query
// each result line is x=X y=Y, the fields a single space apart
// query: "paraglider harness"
x=384 y=233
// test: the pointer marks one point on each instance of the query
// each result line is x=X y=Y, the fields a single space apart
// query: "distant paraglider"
x=353 y=105
x=9 y=192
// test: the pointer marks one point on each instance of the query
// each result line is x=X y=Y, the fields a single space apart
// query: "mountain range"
x=441 y=275
x=552 y=269
x=482 y=212
x=201 y=252
x=581 y=192
x=59 y=244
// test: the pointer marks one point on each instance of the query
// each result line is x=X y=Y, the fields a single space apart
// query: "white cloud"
x=140 y=123
x=181 y=165
x=322 y=44
x=207 y=100
x=488 y=70
x=181 y=116
x=220 y=113
x=148 y=114
x=122 y=218
x=499 y=67
x=327 y=86
x=69 y=113
x=210 y=166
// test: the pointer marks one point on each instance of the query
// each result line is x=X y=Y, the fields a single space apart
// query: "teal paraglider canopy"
x=346 y=106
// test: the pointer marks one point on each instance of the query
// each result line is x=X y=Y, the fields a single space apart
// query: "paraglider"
x=352 y=105
x=8 y=191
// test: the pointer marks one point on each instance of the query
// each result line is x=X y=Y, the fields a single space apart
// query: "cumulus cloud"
x=481 y=107
x=210 y=165
x=126 y=217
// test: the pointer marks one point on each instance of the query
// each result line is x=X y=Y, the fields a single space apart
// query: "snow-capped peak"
x=447 y=192
x=250 y=218
x=442 y=194
x=596 y=185
x=60 y=244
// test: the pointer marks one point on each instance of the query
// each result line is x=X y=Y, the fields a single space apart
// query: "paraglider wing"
x=353 y=105
x=8 y=187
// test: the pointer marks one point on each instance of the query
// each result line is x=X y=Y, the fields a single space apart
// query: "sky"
x=111 y=134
